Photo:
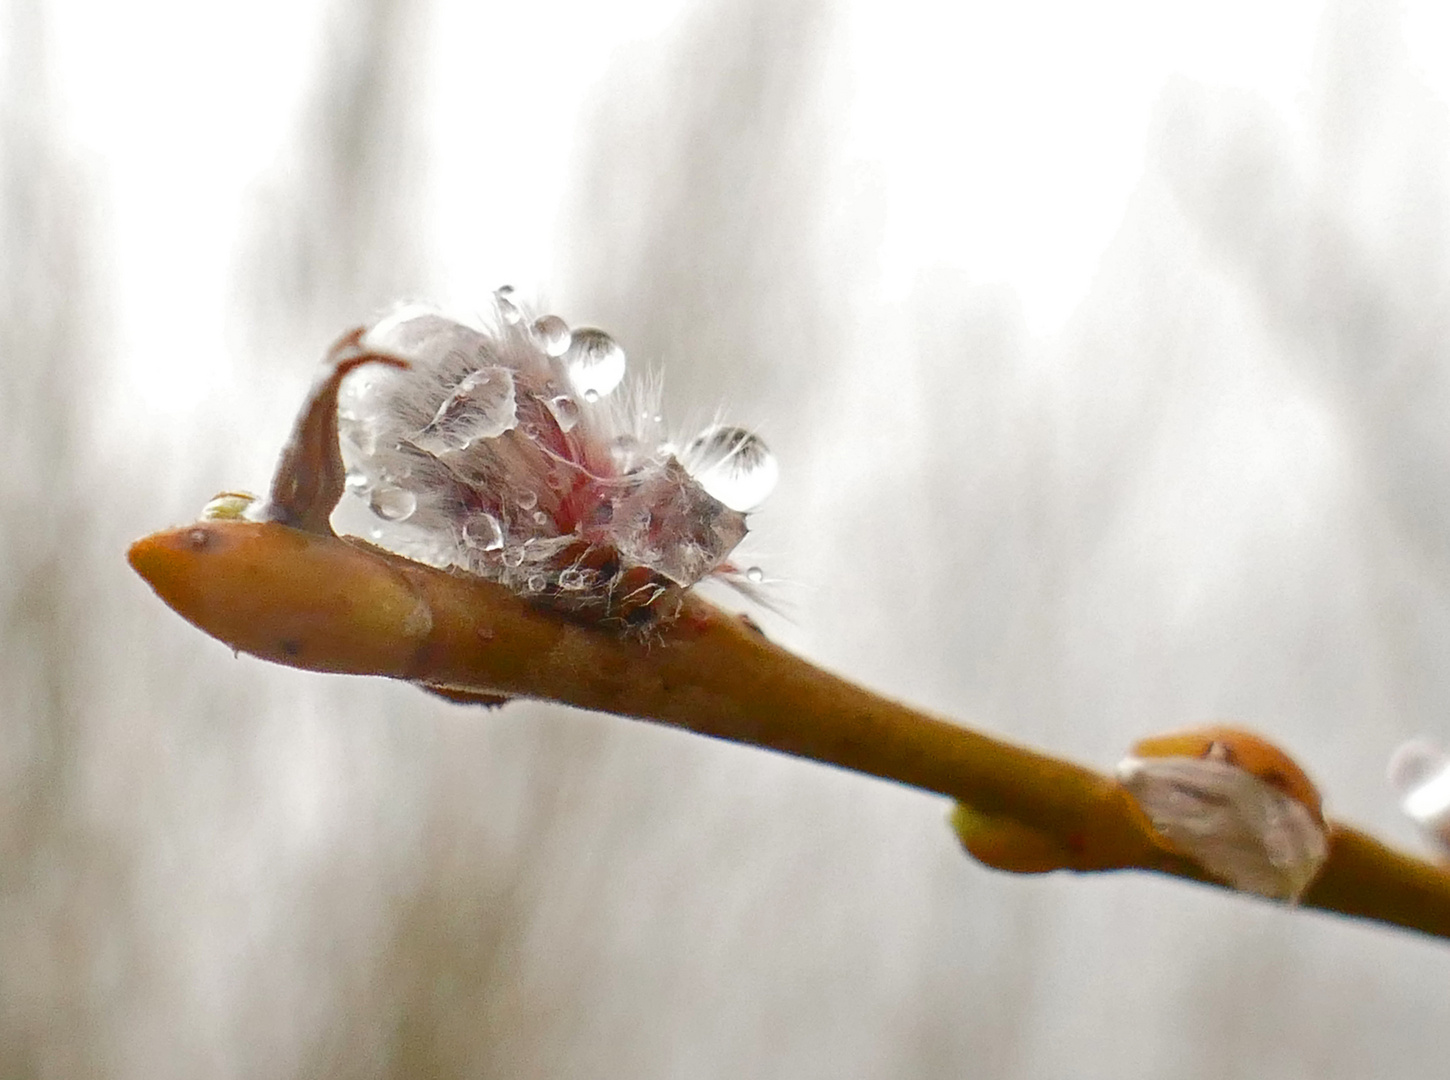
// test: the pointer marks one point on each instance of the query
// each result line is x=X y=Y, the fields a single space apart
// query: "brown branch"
x=291 y=591
x=322 y=603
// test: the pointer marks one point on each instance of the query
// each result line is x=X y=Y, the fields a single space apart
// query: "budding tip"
x=140 y=556
x=286 y=595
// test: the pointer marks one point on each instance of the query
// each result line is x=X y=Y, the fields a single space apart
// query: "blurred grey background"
x=1070 y=486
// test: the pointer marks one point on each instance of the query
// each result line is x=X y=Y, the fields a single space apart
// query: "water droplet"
x=528 y=500
x=482 y=406
x=755 y=574
x=228 y=506
x=483 y=531
x=392 y=503
x=535 y=583
x=565 y=410
x=591 y=395
x=733 y=465
x=664 y=520
x=595 y=362
x=358 y=482
x=572 y=578
x=508 y=309
x=540 y=518
x=513 y=556
x=553 y=334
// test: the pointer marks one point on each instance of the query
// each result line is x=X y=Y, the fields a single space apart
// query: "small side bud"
x=1006 y=844
x=1420 y=772
x=1235 y=804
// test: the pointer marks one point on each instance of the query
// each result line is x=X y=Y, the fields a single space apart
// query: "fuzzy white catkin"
x=518 y=451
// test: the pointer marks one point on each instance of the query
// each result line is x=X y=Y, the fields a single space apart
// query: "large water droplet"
x=392 y=503
x=482 y=406
x=572 y=578
x=483 y=531
x=663 y=519
x=513 y=556
x=508 y=308
x=552 y=334
x=733 y=465
x=528 y=500
x=755 y=575
x=595 y=362
x=535 y=583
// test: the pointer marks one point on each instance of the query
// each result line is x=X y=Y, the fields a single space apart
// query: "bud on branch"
x=546 y=549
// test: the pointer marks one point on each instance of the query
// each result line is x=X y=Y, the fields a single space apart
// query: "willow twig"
x=287 y=589
x=324 y=603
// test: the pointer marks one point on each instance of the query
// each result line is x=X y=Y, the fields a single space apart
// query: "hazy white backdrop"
x=1104 y=348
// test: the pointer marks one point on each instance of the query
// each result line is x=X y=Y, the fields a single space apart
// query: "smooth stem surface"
x=318 y=602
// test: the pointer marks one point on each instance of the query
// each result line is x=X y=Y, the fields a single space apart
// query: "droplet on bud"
x=481 y=406
x=508 y=308
x=595 y=362
x=733 y=465
x=565 y=410
x=357 y=482
x=228 y=506
x=553 y=335
x=392 y=503
x=755 y=575
x=483 y=531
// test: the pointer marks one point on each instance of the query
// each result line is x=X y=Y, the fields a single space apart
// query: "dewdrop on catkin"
x=530 y=461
